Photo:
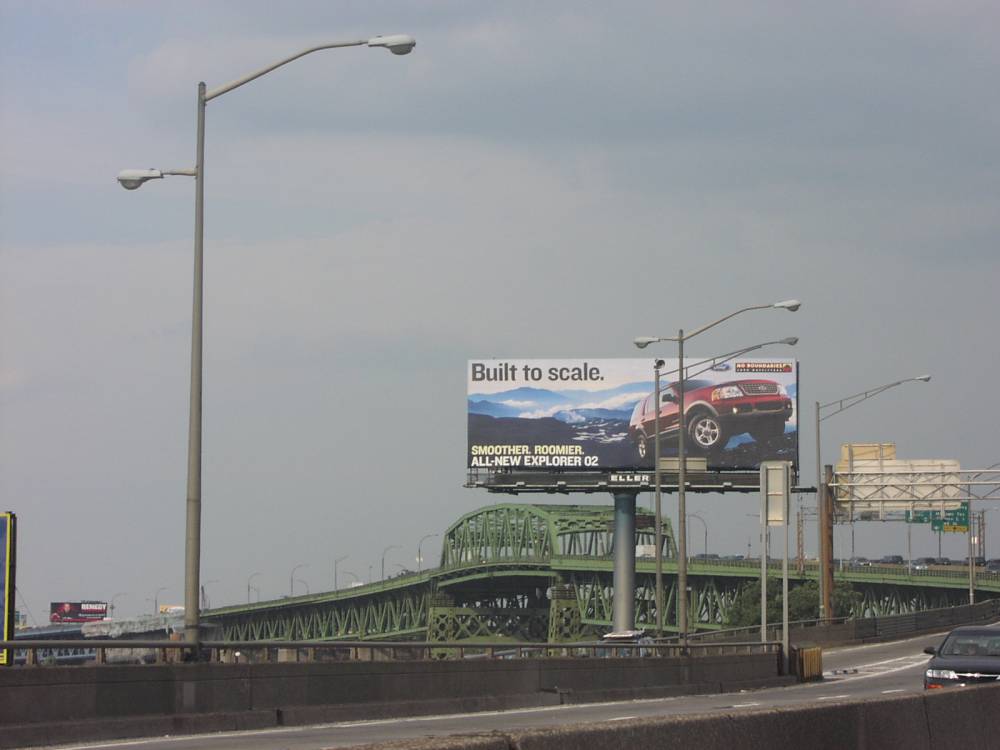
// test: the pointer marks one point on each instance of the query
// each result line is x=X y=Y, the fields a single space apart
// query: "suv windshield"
x=692 y=385
x=971 y=645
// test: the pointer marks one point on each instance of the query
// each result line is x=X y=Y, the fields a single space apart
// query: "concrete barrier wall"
x=71 y=694
x=959 y=719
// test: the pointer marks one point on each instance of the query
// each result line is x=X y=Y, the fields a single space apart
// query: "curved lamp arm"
x=847 y=402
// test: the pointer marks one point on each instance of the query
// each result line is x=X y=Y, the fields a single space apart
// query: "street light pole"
x=705 y=525
x=420 y=557
x=252 y=576
x=192 y=536
x=642 y=342
x=156 y=599
x=390 y=547
x=398 y=44
x=823 y=517
x=336 y=562
x=112 y=606
x=291 y=578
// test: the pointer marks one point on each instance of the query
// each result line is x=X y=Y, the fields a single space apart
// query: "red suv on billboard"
x=714 y=412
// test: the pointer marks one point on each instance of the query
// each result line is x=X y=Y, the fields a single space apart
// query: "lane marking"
x=897 y=690
x=881 y=673
x=853 y=672
x=622 y=718
x=139 y=741
x=744 y=705
x=832 y=697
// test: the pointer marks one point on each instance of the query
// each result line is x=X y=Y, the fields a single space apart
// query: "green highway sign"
x=956 y=519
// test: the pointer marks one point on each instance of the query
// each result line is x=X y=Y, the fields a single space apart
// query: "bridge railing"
x=32 y=652
x=842 y=629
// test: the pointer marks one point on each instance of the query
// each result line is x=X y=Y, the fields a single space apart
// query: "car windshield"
x=691 y=385
x=971 y=645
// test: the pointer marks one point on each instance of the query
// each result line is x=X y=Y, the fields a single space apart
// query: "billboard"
x=8 y=547
x=77 y=611
x=599 y=414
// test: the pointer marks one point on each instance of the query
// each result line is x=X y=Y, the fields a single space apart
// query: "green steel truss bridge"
x=535 y=573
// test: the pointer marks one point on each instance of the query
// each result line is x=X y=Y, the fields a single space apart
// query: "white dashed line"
x=832 y=697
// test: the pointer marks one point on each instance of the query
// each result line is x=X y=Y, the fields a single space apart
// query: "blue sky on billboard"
x=375 y=221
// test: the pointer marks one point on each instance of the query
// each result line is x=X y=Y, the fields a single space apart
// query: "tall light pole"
x=387 y=549
x=156 y=599
x=204 y=594
x=837 y=406
x=111 y=607
x=130 y=179
x=291 y=578
x=252 y=576
x=642 y=342
x=420 y=557
x=705 y=525
x=336 y=562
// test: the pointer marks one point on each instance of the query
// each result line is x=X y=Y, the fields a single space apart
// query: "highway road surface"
x=851 y=672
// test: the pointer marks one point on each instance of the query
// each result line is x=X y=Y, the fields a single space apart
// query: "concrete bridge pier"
x=623 y=604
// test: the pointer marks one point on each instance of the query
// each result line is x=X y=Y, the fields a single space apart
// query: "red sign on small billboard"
x=77 y=611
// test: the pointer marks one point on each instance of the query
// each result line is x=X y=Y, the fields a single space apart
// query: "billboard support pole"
x=623 y=605
x=821 y=519
x=658 y=479
x=682 y=595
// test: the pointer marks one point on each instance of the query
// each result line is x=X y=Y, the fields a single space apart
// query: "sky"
x=534 y=180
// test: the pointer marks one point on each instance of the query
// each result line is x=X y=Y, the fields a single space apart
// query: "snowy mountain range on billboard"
x=569 y=406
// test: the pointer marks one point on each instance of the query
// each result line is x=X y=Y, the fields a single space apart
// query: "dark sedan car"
x=968 y=656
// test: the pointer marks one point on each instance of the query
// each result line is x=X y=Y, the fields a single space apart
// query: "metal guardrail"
x=877 y=627
x=264 y=651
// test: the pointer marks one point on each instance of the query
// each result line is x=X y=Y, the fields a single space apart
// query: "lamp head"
x=791 y=340
x=923 y=378
x=789 y=304
x=643 y=341
x=131 y=179
x=397 y=44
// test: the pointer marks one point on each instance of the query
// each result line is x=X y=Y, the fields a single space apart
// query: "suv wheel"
x=706 y=432
x=642 y=446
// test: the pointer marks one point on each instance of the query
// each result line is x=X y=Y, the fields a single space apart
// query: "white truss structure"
x=890 y=494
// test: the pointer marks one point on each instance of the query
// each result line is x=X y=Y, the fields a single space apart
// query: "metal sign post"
x=775 y=497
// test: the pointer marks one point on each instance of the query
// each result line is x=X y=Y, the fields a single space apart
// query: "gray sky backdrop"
x=535 y=180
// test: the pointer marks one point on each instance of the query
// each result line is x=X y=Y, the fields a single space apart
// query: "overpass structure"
x=536 y=573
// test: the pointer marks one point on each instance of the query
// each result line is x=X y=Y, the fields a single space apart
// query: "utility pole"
x=826 y=543
x=800 y=548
